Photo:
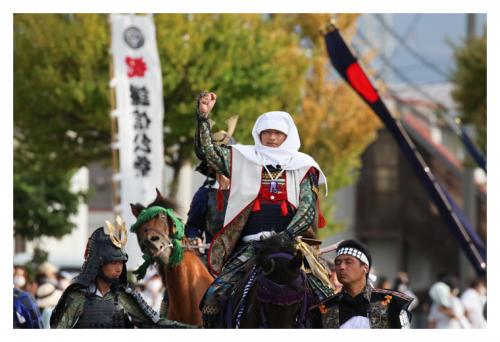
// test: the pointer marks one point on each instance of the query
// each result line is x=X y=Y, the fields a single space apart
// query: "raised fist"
x=206 y=102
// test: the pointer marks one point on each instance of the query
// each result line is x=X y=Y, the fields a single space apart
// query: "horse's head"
x=282 y=284
x=279 y=259
x=155 y=235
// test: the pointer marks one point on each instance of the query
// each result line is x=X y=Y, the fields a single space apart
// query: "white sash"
x=246 y=181
x=356 y=322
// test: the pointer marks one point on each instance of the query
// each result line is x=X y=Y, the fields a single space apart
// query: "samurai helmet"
x=104 y=246
x=225 y=138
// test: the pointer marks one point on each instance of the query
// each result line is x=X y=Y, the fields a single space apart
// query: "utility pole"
x=469 y=186
x=471 y=25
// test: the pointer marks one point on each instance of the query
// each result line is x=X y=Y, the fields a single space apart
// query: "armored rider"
x=99 y=297
x=274 y=190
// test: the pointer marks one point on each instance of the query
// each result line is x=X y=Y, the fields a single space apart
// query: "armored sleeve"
x=305 y=215
x=71 y=310
x=217 y=157
x=142 y=315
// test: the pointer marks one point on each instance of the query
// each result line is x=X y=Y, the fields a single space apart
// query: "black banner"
x=348 y=67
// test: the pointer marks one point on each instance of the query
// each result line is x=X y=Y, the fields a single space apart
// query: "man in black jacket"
x=359 y=305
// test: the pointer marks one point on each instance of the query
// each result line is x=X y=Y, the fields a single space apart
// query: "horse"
x=277 y=296
x=186 y=282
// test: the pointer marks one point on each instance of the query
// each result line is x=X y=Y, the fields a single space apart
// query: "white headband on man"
x=355 y=253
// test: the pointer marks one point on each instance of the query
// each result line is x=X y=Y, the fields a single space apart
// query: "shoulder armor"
x=398 y=306
x=398 y=299
x=68 y=296
x=331 y=301
x=396 y=294
x=148 y=311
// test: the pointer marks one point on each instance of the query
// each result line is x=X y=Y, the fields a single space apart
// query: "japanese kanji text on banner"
x=139 y=108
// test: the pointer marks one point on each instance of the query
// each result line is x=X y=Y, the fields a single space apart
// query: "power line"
x=398 y=73
x=451 y=120
x=409 y=29
x=414 y=53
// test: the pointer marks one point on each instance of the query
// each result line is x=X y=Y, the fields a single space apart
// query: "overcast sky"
x=429 y=35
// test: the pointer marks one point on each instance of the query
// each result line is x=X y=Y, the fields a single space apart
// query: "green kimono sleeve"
x=217 y=157
x=305 y=215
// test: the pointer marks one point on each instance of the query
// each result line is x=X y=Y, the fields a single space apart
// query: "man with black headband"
x=359 y=305
x=99 y=298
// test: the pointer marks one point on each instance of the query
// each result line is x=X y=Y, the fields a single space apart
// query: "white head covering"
x=47 y=295
x=287 y=155
x=283 y=122
x=440 y=294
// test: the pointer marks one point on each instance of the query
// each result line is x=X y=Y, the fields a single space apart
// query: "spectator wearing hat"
x=441 y=314
x=47 y=273
x=47 y=296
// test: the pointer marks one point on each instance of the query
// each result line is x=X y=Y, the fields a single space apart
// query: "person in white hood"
x=274 y=190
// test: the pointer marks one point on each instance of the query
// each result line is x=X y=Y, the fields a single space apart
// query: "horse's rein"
x=162 y=234
x=170 y=244
x=185 y=246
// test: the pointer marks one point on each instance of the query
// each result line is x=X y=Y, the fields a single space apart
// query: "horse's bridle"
x=162 y=235
x=271 y=292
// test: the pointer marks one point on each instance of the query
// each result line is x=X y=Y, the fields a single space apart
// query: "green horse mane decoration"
x=177 y=251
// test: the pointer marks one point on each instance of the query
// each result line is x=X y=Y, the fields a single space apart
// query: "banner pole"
x=115 y=180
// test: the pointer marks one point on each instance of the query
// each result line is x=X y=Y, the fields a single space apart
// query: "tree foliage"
x=335 y=125
x=251 y=63
x=255 y=63
x=42 y=205
x=469 y=78
x=60 y=115
x=61 y=94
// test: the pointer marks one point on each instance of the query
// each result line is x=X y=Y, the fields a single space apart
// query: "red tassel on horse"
x=256 y=205
x=220 y=199
x=321 y=218
x=284 y=208
x=86 y=253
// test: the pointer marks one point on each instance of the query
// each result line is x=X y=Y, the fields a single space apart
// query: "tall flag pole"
x=115 y=180
x=137 y=116
x=348 y=67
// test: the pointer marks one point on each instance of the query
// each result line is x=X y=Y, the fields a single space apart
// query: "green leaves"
x=469 y=78
x=60 y=83
x=43 y=204
x=61 y=115
x=255 y=63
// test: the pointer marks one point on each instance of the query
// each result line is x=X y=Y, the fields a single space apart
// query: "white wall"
x=385 y=257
